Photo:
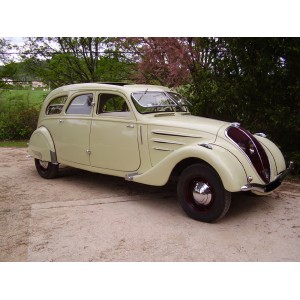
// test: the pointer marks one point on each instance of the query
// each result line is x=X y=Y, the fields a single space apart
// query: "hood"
x=184 y=121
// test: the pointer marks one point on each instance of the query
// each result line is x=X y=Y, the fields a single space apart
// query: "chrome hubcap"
x=202 y=193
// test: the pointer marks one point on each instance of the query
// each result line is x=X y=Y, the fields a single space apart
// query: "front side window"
x=56 y=105
x=81 y=105
x=111 y=104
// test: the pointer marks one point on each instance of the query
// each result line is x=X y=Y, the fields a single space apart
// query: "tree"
x=179 y=61
x=167 y=61
x=76 y=59
x=5 y=46
x=255 y=81
x=231 y=78
x=5 y=73
x=259 y=78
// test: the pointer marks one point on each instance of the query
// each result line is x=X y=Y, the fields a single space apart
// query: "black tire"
x=201 y=193
x=46 y=169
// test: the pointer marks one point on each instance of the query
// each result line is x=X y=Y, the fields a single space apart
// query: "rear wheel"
x=201 y=193
x=46 y=169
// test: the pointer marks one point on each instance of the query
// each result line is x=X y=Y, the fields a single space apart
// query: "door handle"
x=130 y=126
x=61 y=121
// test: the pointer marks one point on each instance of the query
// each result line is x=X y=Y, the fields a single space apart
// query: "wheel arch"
x=228 y=167
x=41 y=145
x=185 y=163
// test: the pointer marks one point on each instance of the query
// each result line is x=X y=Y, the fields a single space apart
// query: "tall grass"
x=19 y=110
x=11 y=100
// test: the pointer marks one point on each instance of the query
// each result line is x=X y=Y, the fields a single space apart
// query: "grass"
x=14 y=144
x=11 y=99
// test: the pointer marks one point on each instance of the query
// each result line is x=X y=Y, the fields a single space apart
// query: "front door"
x=114 y=135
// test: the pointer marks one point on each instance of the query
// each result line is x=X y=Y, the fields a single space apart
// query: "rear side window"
x=81 y=105
x=56 y=105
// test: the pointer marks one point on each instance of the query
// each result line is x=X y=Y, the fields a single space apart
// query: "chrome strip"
x=270 y=170
x=163 y=114
x=270 y=186
x=162 y=149
x=162 y=132
x=256 y=150
x=53 y=158
x=253 y=187
x=206 y=145
x=129 y=176
x=287 y=171
x=243 y=152
x=270 y=154
x=261 y=134
x=141 y=134
x=167 y=142
x=245 y=155
x=235 y=124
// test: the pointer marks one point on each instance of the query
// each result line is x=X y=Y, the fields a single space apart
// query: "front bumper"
x=270 y=186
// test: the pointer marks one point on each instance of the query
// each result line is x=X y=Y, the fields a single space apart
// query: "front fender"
x=224 y=162
x=41 y=145
x=274 y=152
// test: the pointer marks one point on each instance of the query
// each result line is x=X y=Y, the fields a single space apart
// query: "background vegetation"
x=254 y=81
x=19 y=110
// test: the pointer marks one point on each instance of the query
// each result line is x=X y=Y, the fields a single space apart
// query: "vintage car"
x=145 y=134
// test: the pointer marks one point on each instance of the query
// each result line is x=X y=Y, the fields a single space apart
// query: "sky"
x=151 y=18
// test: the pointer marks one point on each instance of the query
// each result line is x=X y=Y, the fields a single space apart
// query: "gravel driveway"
x=83 y=216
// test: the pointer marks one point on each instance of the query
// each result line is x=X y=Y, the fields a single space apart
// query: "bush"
x=295 y=157
x=18 y=126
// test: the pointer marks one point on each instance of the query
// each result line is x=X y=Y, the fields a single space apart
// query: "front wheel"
x=46 y=169
x=201 y=193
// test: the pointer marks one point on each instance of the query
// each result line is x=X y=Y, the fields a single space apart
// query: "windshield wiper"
x=142 y=95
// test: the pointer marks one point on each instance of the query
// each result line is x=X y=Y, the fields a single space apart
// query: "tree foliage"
x=5 y=45
x=66 y=60
x=255 y=81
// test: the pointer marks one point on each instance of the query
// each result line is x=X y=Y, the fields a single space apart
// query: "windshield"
x=153 y=102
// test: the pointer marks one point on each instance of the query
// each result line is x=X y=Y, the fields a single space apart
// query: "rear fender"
x=41 y=145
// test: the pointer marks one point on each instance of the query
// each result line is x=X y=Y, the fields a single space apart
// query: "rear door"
x=73 y=130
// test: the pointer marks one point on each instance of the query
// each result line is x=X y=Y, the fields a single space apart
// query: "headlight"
x=252 y=149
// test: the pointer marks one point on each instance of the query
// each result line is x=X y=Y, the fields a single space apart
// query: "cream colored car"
x=145 y=134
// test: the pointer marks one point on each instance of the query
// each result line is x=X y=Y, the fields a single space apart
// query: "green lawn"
x=10 y=100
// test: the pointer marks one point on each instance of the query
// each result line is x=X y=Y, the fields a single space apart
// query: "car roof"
x=114 y=86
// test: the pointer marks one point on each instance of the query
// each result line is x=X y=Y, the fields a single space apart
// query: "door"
x=114 y=135
x=72 y=136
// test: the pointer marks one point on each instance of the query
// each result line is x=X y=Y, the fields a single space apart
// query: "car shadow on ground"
x=242 y=204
